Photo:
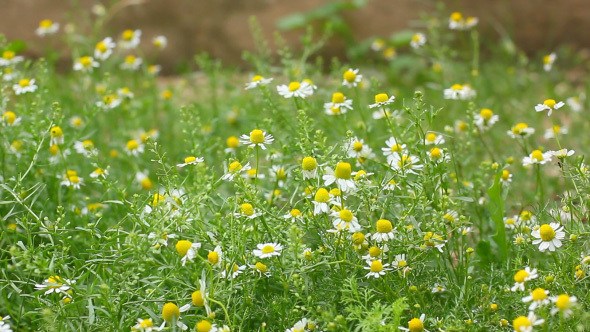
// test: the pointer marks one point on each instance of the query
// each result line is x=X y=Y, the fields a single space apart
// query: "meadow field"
x=434 y=181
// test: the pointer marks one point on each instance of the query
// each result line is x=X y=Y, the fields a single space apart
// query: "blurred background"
x=222 y=28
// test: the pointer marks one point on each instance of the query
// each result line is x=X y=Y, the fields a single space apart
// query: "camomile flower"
x=160 y=42
x=104 y=48
x=295 y=89
x=300 y=326
x=345 y=220
x=549 y=105
x=8 y=74
x=485 y=119
x=257 y=137
x=309 y=168
x=258 y=80
x=376 y=269
x=378 y=44
x=537 y=157
x=339 y=101
x=76 y=122
x=85 y=64
x=415 y=325
x=405 y=163
x=434 y=139
x=418 y=40
x=171 y=315
x=575 y=103
x=188 y=250
x=191 y=160
x=522 y=276
x=124 y=92
x=563 y=153
x=10 y=58
x=57 y=136
x=554 y=131
x=434 y=240
x=47 y=27
x=85 y=147
x=24 y=86
x=385 y=231
x=437 y=289
x=335 y=110
x=232 y=143
x=336 y=197
x=109 y=101
x=266 y=250
x=341 y=176
x=456 y=21
x=279 y=174
x=382 y=100
x=526 y=323
x=144 y=325
x=390 y=185
x=389 y=53
x=351 y=78
x=506 y=177
x=563 y=304
x=548 y=236
x=521 y=130
x=538 y=298
x=55 y=284
x=9 y=118
x=130 y=39
x=451 y=216
x=134 y=147
x=459 y=91
x=357 y=148
x=399 y=261
x=154 y=69
x=235 y=168
x=294 y=215
x=232 y=272
x=548 y=61
x=143 y=180
x=72 y=180
x=131 y=63
x=4 y=325
x=160 y=239
x=247 y=211
x=199 y=297
x=471 y=22
x=393 y=148
x=438 y=155
x=320 y=202
x=252 y=174
x=395 y=116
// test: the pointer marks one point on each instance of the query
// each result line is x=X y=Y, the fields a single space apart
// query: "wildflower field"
x=435 y=182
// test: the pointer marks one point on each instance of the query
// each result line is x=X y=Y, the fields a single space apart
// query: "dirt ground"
x=221 y=27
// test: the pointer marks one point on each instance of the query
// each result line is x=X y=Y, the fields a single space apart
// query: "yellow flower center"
x=166 y=94
x=24 y=82
x=486 y=113
x=549 y=103
x=520 y=323
x=257 y=136
x=234 y=167
x=382 y=97
x=54 y=149
x=505 y=175
x=128 y=35
x=295 y=213
x=431 y=137
x=294 y=86
x=338 y=98
x=198 y=299
x=346 y=215
x=537 y=155
x=101 y=47
x=520 y=276
x=360 y=174
x=247 y=209
x=416 y=37
x=146 y=184
x=349 y=76
x=268 y=249
x=563 y=301
x=8 y=55
x=45 y=24
x=449 y=217
x=183 y=246
x=85 y=61
x=456 y=17
x=416 y=325
x=88 y=144
x=260 y=267
x=396 y=148
x=335 y=110
x=547 y=233
x=374 y=251
x=132 y=145
x=56 y=132
x=170 y=312
x=309 y=163
x=146 y=323
x=189 y=159
x=376 y=266
x=335 y=192
x=405 y=161
x=457 y=87
x=343 y=170
x=322 y=196
x=402 y=263
x=556 y=129
x=130 y=59
x=232 y=142
x=358 y=238
x=213 y=257
x=539 y=294
x=435 y=153
x=9 y=117
x=384 y=226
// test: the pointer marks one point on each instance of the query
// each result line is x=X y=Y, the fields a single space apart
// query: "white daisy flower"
x=266 y=250
x=257 y=81
x=47 y=27
x=382 y=100
x=345 y=220
x=130 y=39
x=235 y=168
x=485 y=119
x=342 y=176
x=85 y=64
x=10 y=58
x=257 y=137
x=548 y=61
x=415 y=325
x=576 y=103
x=563 y=303
x=160 y=42
x=9 y=118
x=351 y=78
x=434 y=139
x=385 y=231
x=24 y=86
x=339 y=101
x=356 y=148
x=459 y=91
x=236 y=270
x=538 y=297
x=55 y=284
x=521 y=130
x=109 y=101
x=376 y=269
x=191 y=160
x=320 y=202
x=104 y=48
x=418 y=40
x=554 y=131
x=549 y=236
x=188 y=250
x=563 y=153
x=526 y=323
x=405 y=163
x=549 y=105
x=393 y=148
x=300 y=326
x=247 y=211
x=537 y=157
x=522 y=276
x=131 y=63
x=295 y=89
